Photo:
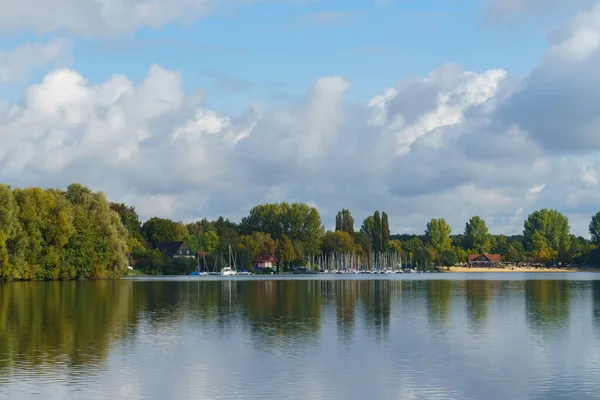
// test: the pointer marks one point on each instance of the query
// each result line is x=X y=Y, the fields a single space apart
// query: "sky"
x=424 y=109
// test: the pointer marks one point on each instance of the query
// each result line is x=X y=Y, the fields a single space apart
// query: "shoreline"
x=516 y=269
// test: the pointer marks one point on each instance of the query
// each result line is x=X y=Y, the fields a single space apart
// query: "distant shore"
x=519 y=269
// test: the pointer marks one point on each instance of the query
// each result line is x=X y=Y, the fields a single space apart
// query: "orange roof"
x=491 y=257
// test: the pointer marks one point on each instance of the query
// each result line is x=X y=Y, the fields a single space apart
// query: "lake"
x=418 y=336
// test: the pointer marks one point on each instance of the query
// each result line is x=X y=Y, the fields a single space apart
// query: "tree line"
x=78 y=234
x=53 y=234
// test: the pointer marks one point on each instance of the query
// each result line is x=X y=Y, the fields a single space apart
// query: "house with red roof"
x=264 y=261
x=484 y=260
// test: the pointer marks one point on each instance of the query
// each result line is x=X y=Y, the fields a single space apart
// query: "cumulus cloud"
x=18 y=62
x=557 y=103
x=452 y=144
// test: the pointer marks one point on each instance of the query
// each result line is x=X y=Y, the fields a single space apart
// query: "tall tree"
x=209 y=241
x=438 y=235
x=300 y=222
x=157 y=230
x=376 y=240
x=385 y=232
x=377 y=232
x=9 y=228
x=286 y=250
x=477 y=237
x=368 y=228
x=551 y=225
x=595 y=228
x=344 y=221
x=129 y=218
x=338 y=241
x=98 y=247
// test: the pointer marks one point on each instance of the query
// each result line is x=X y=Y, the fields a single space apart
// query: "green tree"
x=437 y=235
x=377 y=232
x=541 y=250
x=513 y=254
x=192 y=242
x=551 y=225
x=363 y=242
x=286 y=250
x=500 y=245
x=265 y=244
x=9 y=229
x=449 y=258
x=385 y=232
x=412 y=245
x=209 y=241
x=98 y=247
x=595 y=228
x=344 y=221
x=368 y=228
x=129 y=218
x=396 y=246
x=477 y=237
x=157 y=230
x=298 y=221
x=338 y=242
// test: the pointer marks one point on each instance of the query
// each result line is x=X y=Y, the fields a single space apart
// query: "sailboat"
x=228 y=271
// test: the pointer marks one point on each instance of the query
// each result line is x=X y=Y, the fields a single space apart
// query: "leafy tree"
x=541 y=249
x=209 y=241
x=192 y=242
x=98 y=248
x=259 y=243
x=363 y=242
x=551 y=225
x=500 y=245
x=512 y=254
x=129 y=218
x=287 y=252
x=438 y=235
x=368 y=228
x=338 y=241
x=9 y=229
x=395 y=245
x=477 y=236
x=385 y=232
x=423 y=258
x=344 y=221
x=377 y=237
x=449 y=258
x=298 y=221
x=595 y=228
x=579 y=248
x=412 y=245
x=221 y=223
x=157 y=230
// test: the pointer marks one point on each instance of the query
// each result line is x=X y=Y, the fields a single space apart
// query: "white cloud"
x=18 y=62
x=536 y=189
x=160 y=150
x=583 y=37
x=454 y=144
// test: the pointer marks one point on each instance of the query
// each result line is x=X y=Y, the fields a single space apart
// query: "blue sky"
x=252 y=53
x=422 y=109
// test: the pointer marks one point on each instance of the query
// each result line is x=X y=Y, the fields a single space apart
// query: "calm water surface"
x=429 y=336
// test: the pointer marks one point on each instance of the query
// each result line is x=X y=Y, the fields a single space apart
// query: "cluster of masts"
x=336 y=262
x=350 y=262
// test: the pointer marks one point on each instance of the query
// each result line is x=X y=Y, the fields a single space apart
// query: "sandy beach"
x=515 y=269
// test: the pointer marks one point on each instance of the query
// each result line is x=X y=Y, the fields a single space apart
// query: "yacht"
x=228 y=271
